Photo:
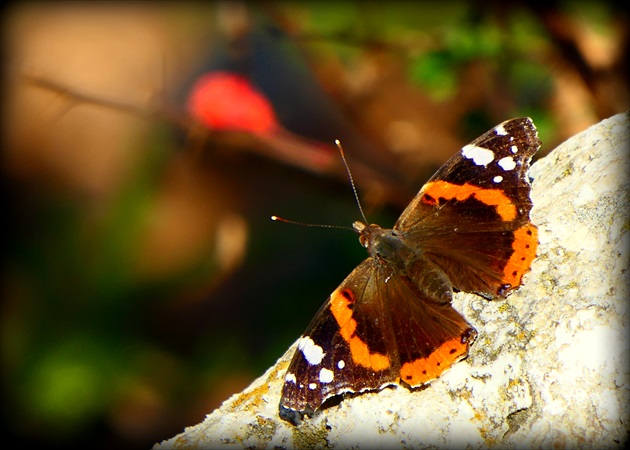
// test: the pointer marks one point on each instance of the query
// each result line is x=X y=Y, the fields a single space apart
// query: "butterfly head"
x=366 y=232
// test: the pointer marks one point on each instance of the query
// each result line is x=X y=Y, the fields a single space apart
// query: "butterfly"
x=391 y=322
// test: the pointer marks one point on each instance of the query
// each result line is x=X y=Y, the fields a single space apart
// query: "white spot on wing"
x=498 y=179
x=341 y=364
x=326 y=376
x=312 y=386
x=290 y=378
x=500 y=130
x=480 y=156
x=507 y=163
x=514 y=149
x=311 y=351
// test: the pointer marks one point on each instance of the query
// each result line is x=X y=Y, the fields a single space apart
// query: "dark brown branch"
x=283 y=147
x=76 y=96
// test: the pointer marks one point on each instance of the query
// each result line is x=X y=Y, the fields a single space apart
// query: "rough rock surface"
x=550 y=366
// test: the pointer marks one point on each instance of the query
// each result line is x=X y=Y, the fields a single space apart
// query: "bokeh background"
x=143 y=281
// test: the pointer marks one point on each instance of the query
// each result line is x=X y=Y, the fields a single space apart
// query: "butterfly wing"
x=373 y=331
x=472 y=217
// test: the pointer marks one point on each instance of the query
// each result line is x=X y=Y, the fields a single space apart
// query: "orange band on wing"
x=423 y=370
x=347 y=326
x=524 y=246
x=491 y=197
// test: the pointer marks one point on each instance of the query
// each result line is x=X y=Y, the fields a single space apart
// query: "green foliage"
x=70 y=384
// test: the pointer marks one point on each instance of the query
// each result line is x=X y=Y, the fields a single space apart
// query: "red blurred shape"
x=227 y=101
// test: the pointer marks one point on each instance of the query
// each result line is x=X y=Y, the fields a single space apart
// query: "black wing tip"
x=296 y=417
x=292 y=416
x=528 y=120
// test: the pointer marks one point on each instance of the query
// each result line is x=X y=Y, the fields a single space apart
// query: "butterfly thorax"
x=394 y=255
x=386 y=245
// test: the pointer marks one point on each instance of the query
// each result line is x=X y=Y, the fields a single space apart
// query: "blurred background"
x=146 y=145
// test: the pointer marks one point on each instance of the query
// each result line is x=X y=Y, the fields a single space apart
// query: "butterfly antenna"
x=354 y=187
x=354 y=190
x=316 y=225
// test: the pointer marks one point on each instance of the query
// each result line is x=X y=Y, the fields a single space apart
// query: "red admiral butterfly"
x=391 y=320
